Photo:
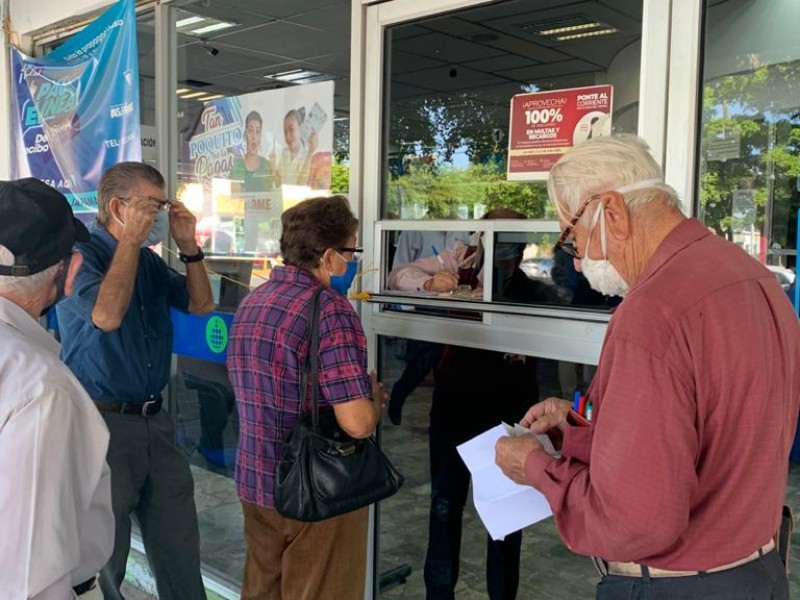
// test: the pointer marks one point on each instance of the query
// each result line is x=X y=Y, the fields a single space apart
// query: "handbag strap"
x=311 y=370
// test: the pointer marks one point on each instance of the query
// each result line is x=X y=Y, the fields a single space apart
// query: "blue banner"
x=204 y=337
x=76 y=110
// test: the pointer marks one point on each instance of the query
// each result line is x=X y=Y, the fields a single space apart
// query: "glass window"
x=440 y=396
x=526 y=270
x=449 y=87
x=263 y=109
x=749 y=179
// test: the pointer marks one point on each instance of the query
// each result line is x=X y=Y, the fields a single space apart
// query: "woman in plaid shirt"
x=289 y=559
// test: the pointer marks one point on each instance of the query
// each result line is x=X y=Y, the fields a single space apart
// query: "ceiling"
x=485 y=51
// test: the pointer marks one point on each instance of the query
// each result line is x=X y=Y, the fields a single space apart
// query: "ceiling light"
x=297 y=76
x=577 y=36
x=214 y=97
x=211 y=28
x=193 y=24
x=569 y=28
x=182 y=90
x=193 y=95
x=189 y=21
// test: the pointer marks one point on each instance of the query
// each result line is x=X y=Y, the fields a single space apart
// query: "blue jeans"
x=761 y=579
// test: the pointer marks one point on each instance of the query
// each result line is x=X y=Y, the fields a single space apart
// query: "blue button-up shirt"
x=130 y=364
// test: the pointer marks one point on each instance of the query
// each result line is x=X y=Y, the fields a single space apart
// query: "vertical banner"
x=270 y=150
x=76 y=110
x=544 y=125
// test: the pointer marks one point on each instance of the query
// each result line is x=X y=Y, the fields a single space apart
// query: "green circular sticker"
x=216 y=335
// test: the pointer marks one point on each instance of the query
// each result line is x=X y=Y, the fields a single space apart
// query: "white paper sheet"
x=503 y=506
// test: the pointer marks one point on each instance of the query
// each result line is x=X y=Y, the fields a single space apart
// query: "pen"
x=437 y=255
x=576 y=400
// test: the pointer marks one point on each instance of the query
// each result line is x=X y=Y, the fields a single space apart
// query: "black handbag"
x=324 y=472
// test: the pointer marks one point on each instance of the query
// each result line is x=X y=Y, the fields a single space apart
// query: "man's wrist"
x=190 y=257
x=188 y=248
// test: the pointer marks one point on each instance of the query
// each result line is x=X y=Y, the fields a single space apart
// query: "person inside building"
x=55 y=485
x=117 y=338
x=419 y=357
x=677 y=484
x=268 y=344
x=474 y=390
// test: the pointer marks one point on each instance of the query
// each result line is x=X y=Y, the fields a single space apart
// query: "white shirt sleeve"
x=412 y=277
x=408 y=249
x=55 y=495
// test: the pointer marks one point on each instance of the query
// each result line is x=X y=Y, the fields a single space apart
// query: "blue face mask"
x=158 y=231
x=342 y=283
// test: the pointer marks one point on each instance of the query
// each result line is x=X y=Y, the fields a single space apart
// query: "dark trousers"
x=449 y=487
x=151 y=480
x=760 y=579
x=420 y=358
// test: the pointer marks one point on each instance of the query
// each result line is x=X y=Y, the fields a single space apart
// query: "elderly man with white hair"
x=55 y=487
x=676 y=486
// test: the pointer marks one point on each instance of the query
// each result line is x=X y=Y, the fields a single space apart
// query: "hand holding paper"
x=518 y=430
x=503 y=506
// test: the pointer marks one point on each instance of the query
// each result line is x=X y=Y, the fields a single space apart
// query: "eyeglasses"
x=567 y=246
x=164 y=204
x=356 y=252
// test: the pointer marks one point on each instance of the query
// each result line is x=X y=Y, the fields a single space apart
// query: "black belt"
x=144 y=409
x=84 y=587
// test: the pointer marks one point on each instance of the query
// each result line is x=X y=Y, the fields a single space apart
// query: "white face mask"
x=158 y=231
x=601 y=274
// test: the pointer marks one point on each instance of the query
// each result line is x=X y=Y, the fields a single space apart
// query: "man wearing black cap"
x=117 y=338
x=55 y=492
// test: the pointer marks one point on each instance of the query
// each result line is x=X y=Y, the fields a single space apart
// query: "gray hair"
x=120 y=180
x=603 y=164
x=24 y=286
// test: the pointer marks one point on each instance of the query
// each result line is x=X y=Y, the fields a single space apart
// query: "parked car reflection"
x=537 y=267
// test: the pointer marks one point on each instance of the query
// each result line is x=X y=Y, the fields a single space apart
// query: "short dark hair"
x=119 y=181
x=501 y=212
x=313 y=226
x=253 y=115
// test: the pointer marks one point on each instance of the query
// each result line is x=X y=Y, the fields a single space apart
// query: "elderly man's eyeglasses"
x=163 y=204
x=566 y=245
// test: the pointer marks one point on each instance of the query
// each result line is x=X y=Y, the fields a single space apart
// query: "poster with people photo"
x=273 y=147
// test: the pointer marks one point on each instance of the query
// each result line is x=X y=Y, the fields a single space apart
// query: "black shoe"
x=395 y=411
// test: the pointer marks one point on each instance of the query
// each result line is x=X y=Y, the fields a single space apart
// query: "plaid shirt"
x=266 y=351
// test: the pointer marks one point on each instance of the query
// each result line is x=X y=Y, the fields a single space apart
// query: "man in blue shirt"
x=117 y=340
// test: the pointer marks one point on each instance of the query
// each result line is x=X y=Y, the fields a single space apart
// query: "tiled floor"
x=549 y=571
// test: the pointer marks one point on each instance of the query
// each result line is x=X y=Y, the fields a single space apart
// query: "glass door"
x=438 y=79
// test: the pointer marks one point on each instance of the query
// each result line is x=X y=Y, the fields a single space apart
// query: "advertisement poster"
x=76 y=110
x=256 y=155
x=544 y=125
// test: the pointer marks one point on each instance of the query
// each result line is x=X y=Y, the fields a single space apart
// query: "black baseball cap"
x=36 y=225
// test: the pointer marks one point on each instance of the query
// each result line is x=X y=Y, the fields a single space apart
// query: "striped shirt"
x=267 y=348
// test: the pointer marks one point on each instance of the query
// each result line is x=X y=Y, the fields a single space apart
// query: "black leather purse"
x=324 y=472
